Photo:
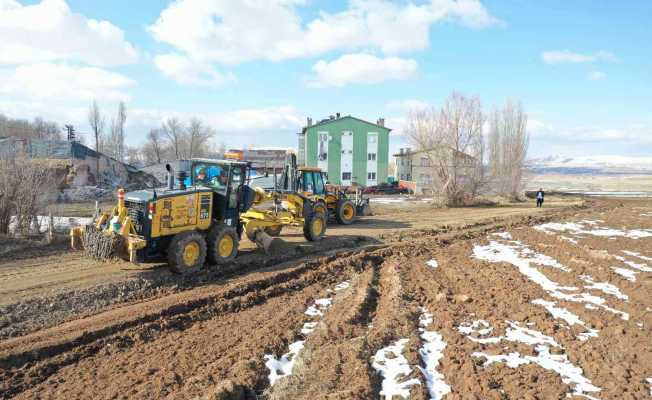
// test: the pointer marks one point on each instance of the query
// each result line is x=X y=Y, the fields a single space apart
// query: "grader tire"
x=187 y=252
x=222 y=242
x=345 y=212
x=314 y=226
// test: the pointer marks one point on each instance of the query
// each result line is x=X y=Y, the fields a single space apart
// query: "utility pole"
x=71 y=132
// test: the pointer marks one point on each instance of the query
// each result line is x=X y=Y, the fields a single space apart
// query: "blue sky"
x=254 y=70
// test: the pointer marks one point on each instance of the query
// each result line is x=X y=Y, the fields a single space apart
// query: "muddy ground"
x=534 y=304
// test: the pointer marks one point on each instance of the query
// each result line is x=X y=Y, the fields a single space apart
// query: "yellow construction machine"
x=200 y=215
x=333 y=201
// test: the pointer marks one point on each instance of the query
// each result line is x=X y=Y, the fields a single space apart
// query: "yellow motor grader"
x=200 y=215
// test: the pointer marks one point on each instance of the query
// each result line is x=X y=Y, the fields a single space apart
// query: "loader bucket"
x=363 y=209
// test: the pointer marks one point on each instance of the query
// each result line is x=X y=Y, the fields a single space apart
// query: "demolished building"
x=77 y=165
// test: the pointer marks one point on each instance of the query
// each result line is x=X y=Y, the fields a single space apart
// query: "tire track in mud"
x=383 y=304
x=27 y=356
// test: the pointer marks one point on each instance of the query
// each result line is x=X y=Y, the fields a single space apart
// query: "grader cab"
x=200 y=215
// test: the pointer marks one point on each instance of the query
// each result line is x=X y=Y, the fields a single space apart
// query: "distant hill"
x=594 y=165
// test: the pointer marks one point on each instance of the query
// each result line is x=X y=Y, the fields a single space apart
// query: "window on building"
x=409 y=177
x=372 y=138
x=371 y=176
x=346 y=176
x=402 y=162
x=425 y=162
x=323 y=146
x=371 y=157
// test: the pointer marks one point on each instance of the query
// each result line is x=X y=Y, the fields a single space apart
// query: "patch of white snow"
x=392 y=365
x=625 y=273
x=431 y=352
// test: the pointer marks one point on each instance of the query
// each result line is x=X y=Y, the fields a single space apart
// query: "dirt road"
x=538 y=307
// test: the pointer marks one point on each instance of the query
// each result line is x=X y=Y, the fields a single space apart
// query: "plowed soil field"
x=551 y=306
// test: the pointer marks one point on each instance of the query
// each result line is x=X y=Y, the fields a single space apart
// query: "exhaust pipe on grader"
x=199 y=218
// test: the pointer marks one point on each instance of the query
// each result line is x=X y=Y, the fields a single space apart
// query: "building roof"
x=412 y=152
x=331 y=120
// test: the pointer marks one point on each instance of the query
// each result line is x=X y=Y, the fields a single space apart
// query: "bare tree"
x=96 y=121
x=115 y=141
x=173 y=131
x=133 y=155
x=121 y=119
x=198 y=137
x=509 y=142
x=23 y=184
x=153 y=147
x=21 y=128
x=451 y=139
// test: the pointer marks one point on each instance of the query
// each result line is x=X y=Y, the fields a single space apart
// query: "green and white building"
x=352 y=151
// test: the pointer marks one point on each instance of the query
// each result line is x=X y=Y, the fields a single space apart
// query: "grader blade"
x=100 y=245
x=271 y=245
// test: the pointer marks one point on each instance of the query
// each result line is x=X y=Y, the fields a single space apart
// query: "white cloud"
x=361 y=69
x=405 y=106
x=569 y=57
x=597 y=76
x=50 y=31
x=232 y=32
x=634 y=133
x=188 y=72
x=247 y=122
x=62 y=82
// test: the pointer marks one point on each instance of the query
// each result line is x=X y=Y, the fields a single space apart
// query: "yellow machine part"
x=118 y=223
x=258 y=219
x=182 y=213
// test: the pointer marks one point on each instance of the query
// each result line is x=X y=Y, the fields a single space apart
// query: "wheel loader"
x=334 y=202
x=199 y=216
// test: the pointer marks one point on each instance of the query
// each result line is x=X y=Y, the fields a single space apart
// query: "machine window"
x=308 y=183
x=213 y=176
x=319 y=184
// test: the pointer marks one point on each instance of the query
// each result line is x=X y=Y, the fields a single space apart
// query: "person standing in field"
x=540 y=196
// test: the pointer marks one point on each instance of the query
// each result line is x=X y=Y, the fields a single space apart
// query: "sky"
x=255 y=69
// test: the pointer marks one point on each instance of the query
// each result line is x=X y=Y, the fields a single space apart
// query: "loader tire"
x=345 y=212
x=320 y=208
x=222 y=242
x=187 y=252
x=314 y=226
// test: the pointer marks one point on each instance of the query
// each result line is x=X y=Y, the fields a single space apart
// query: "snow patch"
x=591 y=228
x=431 y=352
x=432 y=263
x=604 y=287
x=559 y=363
x=281 y=367
x=59 y=223
x=649 y=380
x=317 y=309
x=504 y=235
x=635 y=265
x=638 y=255
x=519 y=255
x=570 y=318
x=392 y=365
x=568 y=239
x=625 y=273
x=478 y=328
